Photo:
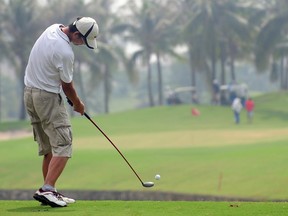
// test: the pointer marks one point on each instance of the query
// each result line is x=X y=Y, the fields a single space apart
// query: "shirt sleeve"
x=65 y=66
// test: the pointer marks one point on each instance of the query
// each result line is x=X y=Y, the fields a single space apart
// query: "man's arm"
x=70 y=92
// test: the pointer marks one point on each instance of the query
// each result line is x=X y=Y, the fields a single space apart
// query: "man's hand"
x=73 y=98
x=79 y=107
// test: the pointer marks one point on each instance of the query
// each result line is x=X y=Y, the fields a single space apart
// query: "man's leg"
x=238 y=117
x=45 y=165
x=56 y=166
x=52 y=168
x=44 y=113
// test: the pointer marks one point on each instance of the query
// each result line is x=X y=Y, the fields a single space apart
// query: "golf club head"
x=148 y=184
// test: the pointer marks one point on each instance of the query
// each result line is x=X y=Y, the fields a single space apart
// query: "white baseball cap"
x=89 y=29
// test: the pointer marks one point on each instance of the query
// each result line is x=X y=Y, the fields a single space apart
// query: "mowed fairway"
x=206 y=155
x=145 y=208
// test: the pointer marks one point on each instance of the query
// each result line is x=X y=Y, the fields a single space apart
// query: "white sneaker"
x=66 y=199
x=51 y=198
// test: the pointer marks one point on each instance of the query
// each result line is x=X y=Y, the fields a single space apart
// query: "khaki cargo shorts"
x=50 y=121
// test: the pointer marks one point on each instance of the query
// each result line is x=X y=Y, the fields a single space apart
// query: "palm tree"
x=21 y=24
x=199 y=35
x=236 y=33
x=150 y=27
x=166 y=35
x=2 y=48
x=213 y=29
x=271 y=43
x=139 y=28
x=109 y=54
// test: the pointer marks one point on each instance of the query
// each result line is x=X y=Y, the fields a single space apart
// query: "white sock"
x=47 y=187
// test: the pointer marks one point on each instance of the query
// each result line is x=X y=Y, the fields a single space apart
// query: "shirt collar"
x=62 y=34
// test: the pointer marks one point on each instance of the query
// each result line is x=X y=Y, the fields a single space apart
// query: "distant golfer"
x=237 y=107
x=249 y=105
x=48 y=72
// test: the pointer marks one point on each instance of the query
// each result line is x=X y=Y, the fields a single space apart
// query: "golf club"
x=144 y=184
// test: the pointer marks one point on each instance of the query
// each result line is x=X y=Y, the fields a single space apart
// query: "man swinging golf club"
x=48 y=72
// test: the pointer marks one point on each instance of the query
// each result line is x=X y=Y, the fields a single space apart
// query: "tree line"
x=217 y=35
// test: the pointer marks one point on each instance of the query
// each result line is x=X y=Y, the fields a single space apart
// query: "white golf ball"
x=157 y=177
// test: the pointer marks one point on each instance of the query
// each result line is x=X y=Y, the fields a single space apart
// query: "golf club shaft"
x=88 y=117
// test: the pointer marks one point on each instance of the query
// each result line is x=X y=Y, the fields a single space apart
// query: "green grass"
x=14 y=125
x=136 y=208
x=255 y=171
x=206 y=155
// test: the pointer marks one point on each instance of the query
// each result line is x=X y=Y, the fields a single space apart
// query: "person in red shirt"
x=249 y=105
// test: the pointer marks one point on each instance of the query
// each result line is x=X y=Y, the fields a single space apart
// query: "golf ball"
x=157 y=177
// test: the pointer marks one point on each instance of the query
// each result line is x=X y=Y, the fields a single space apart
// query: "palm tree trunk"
x=1 y=107
x=149 y=82
x=81 y=86
x=22 y=86
x=213 y=63
x=106 y=88
x=194 y=95
x=213 y=72
x=232 y=61
x=223 y=58
x=232 y=69
x=223 y=73
x=282 y=73
x=285 y=85
x=193 y=74
x=160 y=87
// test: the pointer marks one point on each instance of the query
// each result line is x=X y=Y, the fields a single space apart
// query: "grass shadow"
x=32 y=209
x=279 y=115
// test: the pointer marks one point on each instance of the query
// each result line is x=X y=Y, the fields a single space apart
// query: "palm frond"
x=270 y=36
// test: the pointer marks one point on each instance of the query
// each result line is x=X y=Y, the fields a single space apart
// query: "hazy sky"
x=116 y=4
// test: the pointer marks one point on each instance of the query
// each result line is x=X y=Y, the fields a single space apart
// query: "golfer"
x=48 y=72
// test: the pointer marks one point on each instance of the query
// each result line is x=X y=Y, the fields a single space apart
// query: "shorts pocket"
x=63 y=133
x=34 y=134
x=38 y=133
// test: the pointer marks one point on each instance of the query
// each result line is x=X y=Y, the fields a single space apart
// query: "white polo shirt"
x=51 y=60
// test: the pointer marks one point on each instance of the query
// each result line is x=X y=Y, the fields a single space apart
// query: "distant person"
x=237 y=107
x=49 y=72
x=195 y=98
x=195 y=112
x=216 y=92
x=249 y=106
x=173 y=99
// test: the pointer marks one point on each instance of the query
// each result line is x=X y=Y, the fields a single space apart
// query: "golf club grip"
x=71 y=104
x=69 y=101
